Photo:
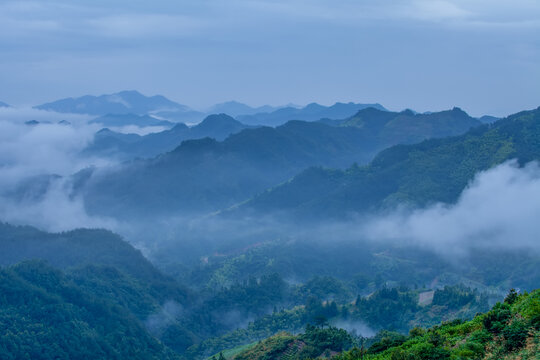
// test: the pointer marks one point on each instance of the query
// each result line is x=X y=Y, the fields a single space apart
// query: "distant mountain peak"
x=456 y=111
x=3 y=104
x=313 y=106
x=408 y=112
x=215 y=118
x=123 y=102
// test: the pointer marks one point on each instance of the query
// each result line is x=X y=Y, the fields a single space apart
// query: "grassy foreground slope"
x=510 y=330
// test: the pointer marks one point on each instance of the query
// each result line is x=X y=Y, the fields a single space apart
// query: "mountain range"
x=435 y=170
x=124 y=102
x=406 y=127
x=206 y=175
x=110 y=106
x=311 y=112
x=128 y=146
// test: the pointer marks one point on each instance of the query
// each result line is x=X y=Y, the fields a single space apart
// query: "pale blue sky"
x=481 y=55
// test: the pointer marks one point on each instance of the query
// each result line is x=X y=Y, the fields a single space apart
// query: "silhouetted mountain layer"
x=83 y=294
x=407 y=127
x=74 y=248
x=311 y=112
x=124 y=102
x=127 y=146
x=207 y=175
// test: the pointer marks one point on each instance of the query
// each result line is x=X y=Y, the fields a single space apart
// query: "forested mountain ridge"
x=206 y=175
x=406 y=127
x=83 y=294
x=435 y=170
x=123 y=102
x=128 y=146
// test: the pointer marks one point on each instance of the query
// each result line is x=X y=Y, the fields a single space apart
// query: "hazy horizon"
x=426 y=55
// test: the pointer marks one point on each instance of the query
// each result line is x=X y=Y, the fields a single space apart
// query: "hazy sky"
x=481 y=55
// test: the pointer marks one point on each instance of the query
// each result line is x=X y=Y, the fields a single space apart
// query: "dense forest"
x=100 y=289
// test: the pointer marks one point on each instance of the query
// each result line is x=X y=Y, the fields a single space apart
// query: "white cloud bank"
x=499 y=209
x=48 y=148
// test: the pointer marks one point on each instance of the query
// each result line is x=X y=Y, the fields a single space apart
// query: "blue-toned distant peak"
x=235 y=108
x=219 y=119
x=310 y=112
x=218 y=126
x=123 y=102
x=3 y=105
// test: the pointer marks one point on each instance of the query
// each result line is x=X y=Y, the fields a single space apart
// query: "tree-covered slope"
x=106 y=272
x=72 y=249
x=435 y=170
x=510 y=330
x=45 y=314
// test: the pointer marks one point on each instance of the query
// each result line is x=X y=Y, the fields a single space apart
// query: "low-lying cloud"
x=167 y=315
x=499 y=209
x=49 y=147
x=357 y=328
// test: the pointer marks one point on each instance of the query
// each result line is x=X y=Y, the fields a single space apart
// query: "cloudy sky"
x=481 y=55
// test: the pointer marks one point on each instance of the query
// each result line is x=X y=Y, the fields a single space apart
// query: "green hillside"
x=510 y=330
